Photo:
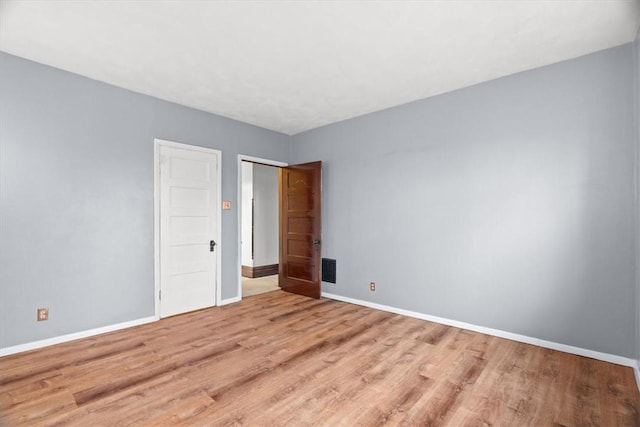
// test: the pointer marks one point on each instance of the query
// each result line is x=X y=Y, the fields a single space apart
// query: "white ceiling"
x=291 y=66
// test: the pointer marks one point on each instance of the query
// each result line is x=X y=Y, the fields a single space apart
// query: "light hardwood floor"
x=281 y=359
x=259 y=285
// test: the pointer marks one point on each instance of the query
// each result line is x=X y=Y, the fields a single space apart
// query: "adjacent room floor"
x=259 y=285
x=282 y=359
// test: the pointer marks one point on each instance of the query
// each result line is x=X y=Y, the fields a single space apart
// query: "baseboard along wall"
x=606 y=357
x=635 y=364
x=229 y=301
x=74 y=336
x=89 y=333
x=259 y=271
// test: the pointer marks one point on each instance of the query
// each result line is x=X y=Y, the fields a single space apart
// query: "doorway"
x=259 y=228
x=258 y=225
x=298 y=228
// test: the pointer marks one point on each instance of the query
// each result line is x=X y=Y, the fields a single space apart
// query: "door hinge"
x=160 y=294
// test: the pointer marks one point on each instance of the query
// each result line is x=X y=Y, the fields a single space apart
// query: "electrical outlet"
x=43 y=314
x=372 y=286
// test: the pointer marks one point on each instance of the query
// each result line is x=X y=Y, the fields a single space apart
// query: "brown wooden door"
x=300 y=228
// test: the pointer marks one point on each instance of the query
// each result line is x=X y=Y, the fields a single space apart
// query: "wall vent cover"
x=328 y=270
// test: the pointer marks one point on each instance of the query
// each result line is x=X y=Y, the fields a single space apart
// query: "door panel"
x=299 y=225
x=188 y=221
x=300 y=248
x=300 y=228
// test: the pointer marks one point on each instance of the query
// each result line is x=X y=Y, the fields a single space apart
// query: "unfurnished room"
x=320 y=213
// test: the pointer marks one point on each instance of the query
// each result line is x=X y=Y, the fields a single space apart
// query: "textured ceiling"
x=293 y=66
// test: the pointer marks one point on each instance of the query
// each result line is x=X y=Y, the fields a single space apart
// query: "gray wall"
x=509 y=204
x=76 y=197
x=265 y=195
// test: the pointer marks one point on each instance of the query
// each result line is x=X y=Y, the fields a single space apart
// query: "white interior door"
x=189 y=209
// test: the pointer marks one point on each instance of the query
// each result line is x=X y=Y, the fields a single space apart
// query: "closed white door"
x=189 y=187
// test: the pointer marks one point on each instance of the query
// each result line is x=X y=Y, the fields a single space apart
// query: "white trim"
x=230 y=300
x=636 y=370
x=183 y=146
x=156 y=227
x=612 y=358
x=241 y=158
x=75 y=336
x=156 y=215
x=219 y=230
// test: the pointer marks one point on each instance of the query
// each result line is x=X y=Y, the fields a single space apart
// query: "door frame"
x=157 y=143
x=241 y=158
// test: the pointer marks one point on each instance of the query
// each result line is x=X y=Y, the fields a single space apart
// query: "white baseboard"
x=606 y=357
x=76 y=335
x=635 y=364
x=229 y=301
x=6 y=351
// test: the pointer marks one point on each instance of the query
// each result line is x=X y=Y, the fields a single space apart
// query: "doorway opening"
x=295 y=233
x=260 y=228
x=259 y=225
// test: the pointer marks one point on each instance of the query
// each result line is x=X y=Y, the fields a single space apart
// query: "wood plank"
x=282 y=359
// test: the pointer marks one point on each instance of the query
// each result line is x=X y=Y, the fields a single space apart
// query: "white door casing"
x=188 y=189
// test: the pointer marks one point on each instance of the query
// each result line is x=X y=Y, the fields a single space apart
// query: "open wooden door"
x=300 y=227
